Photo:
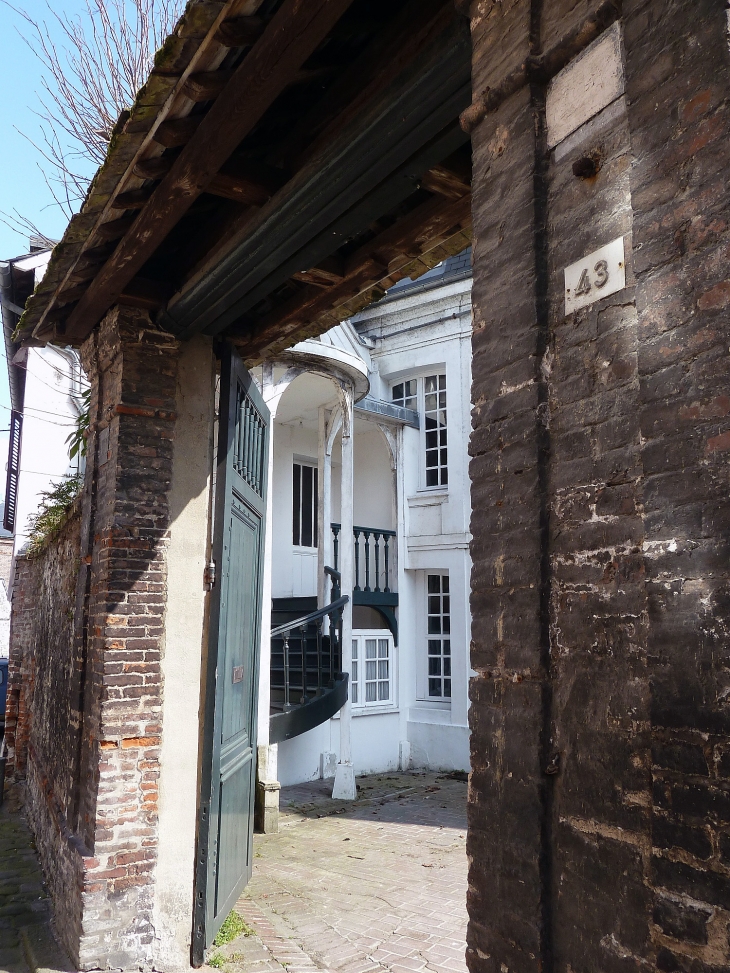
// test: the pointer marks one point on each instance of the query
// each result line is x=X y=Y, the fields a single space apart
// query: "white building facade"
x=405 y=363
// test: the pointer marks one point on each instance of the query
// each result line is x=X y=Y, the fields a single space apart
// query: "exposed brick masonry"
x=92 y=769
x=601 y=515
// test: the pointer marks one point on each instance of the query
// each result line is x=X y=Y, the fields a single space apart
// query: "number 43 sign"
x=601 y=273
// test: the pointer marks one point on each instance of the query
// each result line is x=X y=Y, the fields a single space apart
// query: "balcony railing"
x=375 y=573
x=373 y=560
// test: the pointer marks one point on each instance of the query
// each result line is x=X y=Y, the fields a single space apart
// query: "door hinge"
x=209 y=574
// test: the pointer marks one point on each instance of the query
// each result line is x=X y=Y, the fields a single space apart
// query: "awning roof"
x=285 y=164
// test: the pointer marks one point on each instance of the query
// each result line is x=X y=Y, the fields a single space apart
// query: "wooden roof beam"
x=414 y=235
x=292 y=35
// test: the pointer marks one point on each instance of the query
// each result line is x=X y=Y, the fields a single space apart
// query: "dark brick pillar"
x=678 y=92
x=599 y=808
x=133 y=370
x=507 y=794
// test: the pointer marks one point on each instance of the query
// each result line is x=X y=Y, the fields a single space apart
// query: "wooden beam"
x=240 y=31
x=327 y=273
x=133 y=199
x=150 y=295
x=153 y=168
x=247 y=182
x=177 y=132
x=445 y=182
x=414 y=235
x=206 y=85
x=114 y=229
x=369 y=75
x=292 y=35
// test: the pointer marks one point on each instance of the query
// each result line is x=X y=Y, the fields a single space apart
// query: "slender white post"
x=324 y=509
x=344 y=787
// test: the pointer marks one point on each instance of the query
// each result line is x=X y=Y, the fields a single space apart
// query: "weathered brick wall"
x=44 y=707
x=85 y=709
x=600 y=797
x=134 y=371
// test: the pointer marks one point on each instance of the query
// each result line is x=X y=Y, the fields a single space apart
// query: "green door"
x=225 y=823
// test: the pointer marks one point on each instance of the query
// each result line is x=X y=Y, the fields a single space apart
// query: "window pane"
x=434 y=687
x=432 y=440
x=434 y=667
x=383 y=669
x=447 y=666
x=411 y=387
x=370 y=648
x=307 y=493
x=383 y=690
x=353 y=690
x=444 y=477
x=296 y=504
x=431 y=384
x=434 y=625
x=434 y=583
x=315 y=504
x=371 y=670
x=370 y=692
x=432 y=477
x=447 y=647
x=431 y=403
x=447 y=688
x=434 y=605
x=354 y=648
x=434 y=647
x=447 y=604
x=383 y=648
x=445 y=584
x=398 y=391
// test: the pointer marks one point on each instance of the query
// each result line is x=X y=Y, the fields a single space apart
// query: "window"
x=304 y=512
x=371 y=677
x=439 y=636
x=434 y=411
x=428 y=395
x=405 y=394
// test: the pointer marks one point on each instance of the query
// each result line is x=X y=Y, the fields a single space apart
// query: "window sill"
x=370 y=711
x=428 y=497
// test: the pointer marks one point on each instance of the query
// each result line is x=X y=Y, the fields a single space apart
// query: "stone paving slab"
x=372 y=886
x=26 y=941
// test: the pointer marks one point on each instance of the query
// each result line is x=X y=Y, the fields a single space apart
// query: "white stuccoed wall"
x=416 y=334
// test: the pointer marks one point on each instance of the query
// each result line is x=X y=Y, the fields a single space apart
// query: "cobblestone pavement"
x=26 y=942
x=374 y=885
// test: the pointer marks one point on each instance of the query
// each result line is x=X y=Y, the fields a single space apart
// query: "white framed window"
x=434 y=413
x=427 y=394
x=372 y=680
x=438 y=636
x=305 y=498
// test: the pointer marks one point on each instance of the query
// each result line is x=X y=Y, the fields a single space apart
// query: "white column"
x=324 y=509
x=344 y=787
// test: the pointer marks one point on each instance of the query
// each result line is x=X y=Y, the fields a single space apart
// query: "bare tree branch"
x=94 y=64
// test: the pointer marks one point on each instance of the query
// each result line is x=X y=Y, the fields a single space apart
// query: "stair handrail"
x=312 y=617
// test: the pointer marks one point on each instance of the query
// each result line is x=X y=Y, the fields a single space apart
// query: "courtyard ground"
x=376 y=885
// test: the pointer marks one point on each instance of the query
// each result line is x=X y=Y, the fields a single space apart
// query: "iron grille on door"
x=248 y=444
x=11 y=487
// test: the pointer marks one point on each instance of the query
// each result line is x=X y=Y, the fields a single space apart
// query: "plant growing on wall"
x=52 y=510
x=78 y=438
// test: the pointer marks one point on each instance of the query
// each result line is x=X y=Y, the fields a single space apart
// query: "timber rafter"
x=250 y=105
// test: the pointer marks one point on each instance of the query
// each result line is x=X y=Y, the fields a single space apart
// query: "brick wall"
x=599 y=812
x=90 y=749
x=131 y=443
x=43 y=725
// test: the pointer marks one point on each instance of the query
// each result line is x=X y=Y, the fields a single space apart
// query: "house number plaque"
x=601 y=273
x=238 y=674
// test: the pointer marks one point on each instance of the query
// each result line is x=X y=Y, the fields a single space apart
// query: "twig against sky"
x=92 y=67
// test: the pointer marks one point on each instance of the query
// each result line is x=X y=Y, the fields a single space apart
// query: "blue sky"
x=22 y=185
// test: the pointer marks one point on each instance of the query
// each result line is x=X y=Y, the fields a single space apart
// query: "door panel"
x=225 y=829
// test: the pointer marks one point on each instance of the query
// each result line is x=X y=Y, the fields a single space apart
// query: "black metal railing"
x=306 y=660
x=373 y=557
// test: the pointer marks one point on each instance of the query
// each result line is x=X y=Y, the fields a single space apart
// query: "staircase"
x=307 y=683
